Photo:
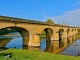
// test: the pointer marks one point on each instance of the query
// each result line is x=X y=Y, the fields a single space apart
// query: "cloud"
x=78 y=3
x=71 y=17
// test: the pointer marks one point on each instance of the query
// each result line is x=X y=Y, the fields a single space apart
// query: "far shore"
x=12 y=35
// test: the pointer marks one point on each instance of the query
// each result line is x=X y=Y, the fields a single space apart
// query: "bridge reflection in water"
x=47 y=46
x=53 y=46
x=3 y=42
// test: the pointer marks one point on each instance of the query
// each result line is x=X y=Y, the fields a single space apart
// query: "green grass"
x=19 y=54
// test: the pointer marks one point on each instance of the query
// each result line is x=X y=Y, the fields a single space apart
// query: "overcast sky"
x=60 y=11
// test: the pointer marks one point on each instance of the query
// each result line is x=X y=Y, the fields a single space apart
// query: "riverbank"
x=12 y=35
x=78 y=36
x=19 y=54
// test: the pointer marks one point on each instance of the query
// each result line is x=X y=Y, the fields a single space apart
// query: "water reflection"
x=58 y=46
x=15 y=43
x=53 y=46
x=3 y=43
x=31 y=48
x=63 y=46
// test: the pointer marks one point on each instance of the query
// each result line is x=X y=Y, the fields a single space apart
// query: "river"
x=65 y=46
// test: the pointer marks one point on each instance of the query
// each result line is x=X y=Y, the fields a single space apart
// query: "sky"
x=60 y=11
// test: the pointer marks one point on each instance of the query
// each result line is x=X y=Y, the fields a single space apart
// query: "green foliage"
x=19 y=54
x=49 y=21
x=6 y=31
x=43 y=34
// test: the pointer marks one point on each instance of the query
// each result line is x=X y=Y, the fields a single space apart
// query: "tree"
x=49 y=21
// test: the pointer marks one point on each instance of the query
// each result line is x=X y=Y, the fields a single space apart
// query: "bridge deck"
x=12 y=19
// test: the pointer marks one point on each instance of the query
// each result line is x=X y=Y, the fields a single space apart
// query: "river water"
x=65 y=46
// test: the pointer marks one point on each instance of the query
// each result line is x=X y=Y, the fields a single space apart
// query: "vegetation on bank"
x=19 y=54
x=12 y=34
x=43 y=34
x=6 y=31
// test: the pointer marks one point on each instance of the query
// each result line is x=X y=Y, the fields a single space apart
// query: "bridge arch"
x=48 y=32
x=72 y=30
x=68 y=32
x=24 y=33
x=75 y=29
x=61 y=31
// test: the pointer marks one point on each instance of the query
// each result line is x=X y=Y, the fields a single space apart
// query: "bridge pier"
x=31 y=40
x=64 y=34
x=34 y=40
x=71 y=33
x=76 y=32
x=37 y=40
x=55 y=36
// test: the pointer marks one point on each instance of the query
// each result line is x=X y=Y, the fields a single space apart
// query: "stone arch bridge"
x=30 y=30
